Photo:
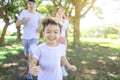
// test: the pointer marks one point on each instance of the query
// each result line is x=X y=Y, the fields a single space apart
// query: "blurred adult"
x=63 y=39
x=31 y=20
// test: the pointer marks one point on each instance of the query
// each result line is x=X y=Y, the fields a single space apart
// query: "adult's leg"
x=26 y=44
x=32 y=43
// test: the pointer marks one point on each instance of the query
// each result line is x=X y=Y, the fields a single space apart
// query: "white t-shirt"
x=50 y=61
x=30 y=29
x=64 y=28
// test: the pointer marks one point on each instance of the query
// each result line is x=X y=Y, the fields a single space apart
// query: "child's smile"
x=52 y=34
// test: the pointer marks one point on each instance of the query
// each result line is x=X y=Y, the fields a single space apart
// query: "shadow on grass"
x=13 y=66
x=94 y=62
x=12 y=62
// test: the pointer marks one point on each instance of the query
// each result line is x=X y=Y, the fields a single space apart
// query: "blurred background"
x=93 y=37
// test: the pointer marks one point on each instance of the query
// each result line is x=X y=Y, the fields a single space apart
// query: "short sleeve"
x=36 y=52
x=21 y=15
x=40 y=17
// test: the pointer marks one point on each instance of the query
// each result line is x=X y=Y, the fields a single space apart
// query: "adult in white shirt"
x=31 y=20
x=61 y=16
x=63 y=39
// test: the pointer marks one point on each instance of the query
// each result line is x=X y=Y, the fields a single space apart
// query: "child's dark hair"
x=52 y=21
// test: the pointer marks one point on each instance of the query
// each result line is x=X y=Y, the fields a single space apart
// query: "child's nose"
x=52 y=34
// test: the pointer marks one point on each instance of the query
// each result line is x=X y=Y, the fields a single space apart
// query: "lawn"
x=96 y=59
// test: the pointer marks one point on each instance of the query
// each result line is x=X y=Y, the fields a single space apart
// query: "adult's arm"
x=20 y=22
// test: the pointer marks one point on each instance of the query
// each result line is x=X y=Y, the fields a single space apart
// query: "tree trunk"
x=76 y=35
x=4 y=33
x=76 y=24
x=6 y=20
x=18 y=33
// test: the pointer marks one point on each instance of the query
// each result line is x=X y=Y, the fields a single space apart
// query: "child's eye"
x=48 y=31
x=56 y=32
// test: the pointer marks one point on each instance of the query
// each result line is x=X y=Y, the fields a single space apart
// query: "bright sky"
x=111 y=15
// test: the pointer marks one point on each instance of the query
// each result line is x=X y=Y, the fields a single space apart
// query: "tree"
x=4 y=12
x=19 y=5
x=8 y=11
x=79 y=13
x=103 y=31
x=80 y=8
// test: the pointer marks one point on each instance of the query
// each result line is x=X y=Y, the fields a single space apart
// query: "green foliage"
x=98 y=10
x=14 y=34
x=0 y=31
x=84 y=33
x=46 y=9
x=112 y=36
x=105 y=31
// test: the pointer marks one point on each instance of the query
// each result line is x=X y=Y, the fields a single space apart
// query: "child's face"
x=52 y=33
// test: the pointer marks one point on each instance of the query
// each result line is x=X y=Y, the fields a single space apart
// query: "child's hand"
x=34 y=70
x=72 y=67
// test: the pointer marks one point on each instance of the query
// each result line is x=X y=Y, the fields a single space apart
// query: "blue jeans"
x=27 y=43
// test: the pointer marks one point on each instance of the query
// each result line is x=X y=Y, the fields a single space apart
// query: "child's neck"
x=52 y=44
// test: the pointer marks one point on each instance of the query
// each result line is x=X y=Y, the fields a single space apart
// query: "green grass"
x=113 y=43
x=11 y=48
x=96 y=59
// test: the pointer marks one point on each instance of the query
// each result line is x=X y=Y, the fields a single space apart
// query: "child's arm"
x=33 y=68
x=67 y=64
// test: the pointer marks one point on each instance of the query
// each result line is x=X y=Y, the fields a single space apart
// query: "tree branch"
x=93 y=1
